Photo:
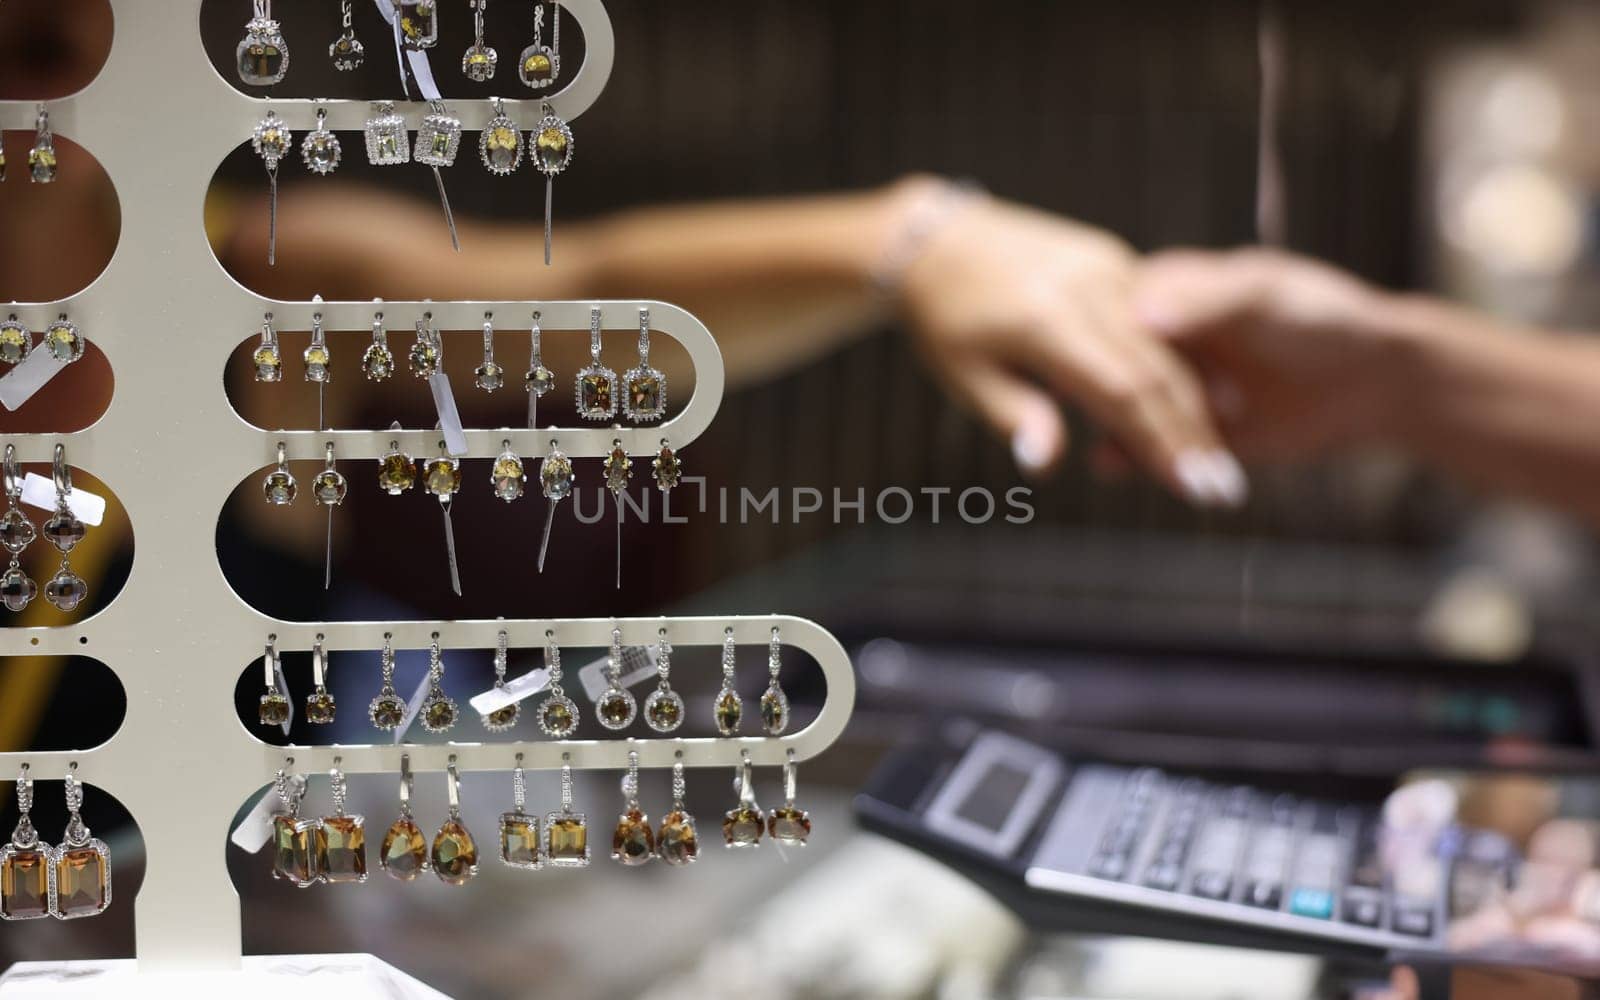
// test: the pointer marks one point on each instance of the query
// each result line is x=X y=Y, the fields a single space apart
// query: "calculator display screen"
x=992 y=797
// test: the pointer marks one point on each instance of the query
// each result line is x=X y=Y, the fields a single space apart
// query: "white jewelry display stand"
x=170 y=446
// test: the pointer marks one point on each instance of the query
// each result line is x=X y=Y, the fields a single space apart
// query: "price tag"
x=638 y=665
x=281 y=683
x=255 y=829
x=19 y=384
x=39 y=491
x=444 y=400
x=516 y=689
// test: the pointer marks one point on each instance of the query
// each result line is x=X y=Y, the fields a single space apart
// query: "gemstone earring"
x=397 y=471
x=320 y=707
x=385 y=134
x=479 y=61
x=419 y=23
x=774 y=703
x=789 y=824
x=539 y=64
x=489 y=376
x=319 y=364
x=501 y=719
x=64 y=340
x=329 y=490
x=558 y=714
x=728 y=707
x=618 y=470
x=646 y=398
x=677 y=842
x=519 y=832
x=341 y=838
x=500 y=142
x=262 y=57
x=666 y=468
x=555 y=482
x=426 y=356
x=346 y=51
x=566 y=833
x=615 y=708
x=438 y=141
x=293 y=858
x=552 y=146
x=442 y=478
x=274 y=707
x=539 y=380
x=743 y=824
x=596 y=385
x=663 y=710
x=267 y=358
x=377 y=361
x=42 y=156
x=438 y=709
x=403 y=854
x=633 y=843
x=17 y=588
x=387 y=711
x=15 y=341
x=455 y=853
x=27 y=868
x=320 y=150
x=66 y=590
x=82 y=863
x=507 y=475
x=279 y=486
x=272 y=141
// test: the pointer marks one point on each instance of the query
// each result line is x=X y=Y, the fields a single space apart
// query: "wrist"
x=1435 y=355
x=912 y=212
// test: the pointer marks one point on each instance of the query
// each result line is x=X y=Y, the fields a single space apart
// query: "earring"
x=442 y=478
x=293 y=858
x=633 y=843
x=663 y=710
x=519 y=832
x=553 y=145
x=501 y=719
x=385 y=134
x=274 y=709
x=42 y=157
x=539 y=64
x=66 y=590
x=329 y=490
x=507 y=476
x=82 y=863
x=279 y=486
x=479 y=61
x=320 y=707
x=566 y=833
x=419 y=23
x=438 y=141
x=728 y=707
x=618 y=470
x=397 y=471
x=678 y=843
x=742 y=825
x=539 y=380
x=346 y=50
x=272 y=141
x=267 y=358
x=403 y=854
x=489 y=376
x=15 y=339
x=438 y=709
x=262 y=57
x=455 y=853
x=319 y=363
x=789 y=824
x=615 y=708
x=377 y=361
x=427 y=351
x=27 y=870
x=387 y=711
x=320 y=149
x=646 y=398
x=558 y=714
x=555 y=482
x=596 y=385
x=341 y=839
x=65 y=341
x=17 y=588
x=666 y=468
x=500 y=142
x=774 y=703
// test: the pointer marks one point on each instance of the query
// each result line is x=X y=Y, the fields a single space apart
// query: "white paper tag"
x=19 y=384
x=41 y=492
x=255 y=829
x=455 y=441
x=417 y=57
x=638 y=665
x=413 y=707
x=281 y=683
x=516 y=689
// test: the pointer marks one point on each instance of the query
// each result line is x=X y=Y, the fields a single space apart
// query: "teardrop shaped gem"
x=404 y=852
x=443 y=478
x=728 y=710
x=619 y=469
x=774 y=711
x=17 y=589
x=66 y=590
x=507 y=477
x=678 y=843
x=633 y=843
x=455 y=853
x=668 y=470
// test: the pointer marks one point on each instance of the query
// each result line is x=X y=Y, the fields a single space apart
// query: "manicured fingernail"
x=1232 y=486
x=1030 y=448
x=1194 y=475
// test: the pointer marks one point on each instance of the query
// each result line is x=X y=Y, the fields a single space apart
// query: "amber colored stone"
x=387 y=712
x=633 y=842
x=444 y=477
x=728 y=710
x=665 y=713
x=677 y=843
x=320 y=708
x=537 y=66
x=742 y=827
x=567 y=839
x=596 y=389
x=557 y=717
x=789 y=825
x=774 y=711
x=439 y=714
x=455 y=853
x=404 y=852
x=274 y=710
x=519 y=840
x=416 y=21
x=615 y=709
x=644 y=393
x=342 y=849
x=83 y=882
x=551 y=146
x=501 y=718
x=293 y=856
x=25 y=885
x=668 y=469
x=396 y=474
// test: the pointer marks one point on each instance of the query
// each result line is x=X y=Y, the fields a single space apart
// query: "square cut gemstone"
x=25 y=885
x=596 y=387
x=293 y=856
x=567 y=839
x=519 y=840
x=83 y=882
x=342 y=849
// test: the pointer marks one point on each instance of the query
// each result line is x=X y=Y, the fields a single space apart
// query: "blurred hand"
x=1014 y=309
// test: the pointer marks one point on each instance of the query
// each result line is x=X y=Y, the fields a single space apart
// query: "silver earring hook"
x=270 y=660
x=13 y=475
x=283 y=454
x=319 y=663
x=454 y=787
x=406 y=781
x=790 y=778
x=60 y=473
x=747 y=784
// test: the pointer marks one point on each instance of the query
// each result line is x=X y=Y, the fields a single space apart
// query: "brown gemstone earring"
x=677 y=842
x=774 y=703
x=501 y=719
x=633 y=843
x=558 y=714
x=538 y=380
x=427 y=350
x=82 y=863
x=789 y=824
x=17 y=588
x=519 y=832
x=438 y=712
x=268 y=358
x=618 y=470
x=489 y=375
x=507 y=474
x=555 y=482
x=442 y=478
x=596 y=385
x=616 y=707
x=666 y=468
x=329 y=489
x=274 y=709
x=645 y=398
x=728 y=708
x=27 y=869
x=377 y=361
x=663 y=710
x=293 y=858
x=397 y=471
x=16 y=341
x=404 y=852
x=455 y=853
x=387 y=711
x=743 y=824
x=566 y=833
x=320 y=707
x=341 y=839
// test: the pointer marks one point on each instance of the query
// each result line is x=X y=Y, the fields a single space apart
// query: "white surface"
x=349 y=977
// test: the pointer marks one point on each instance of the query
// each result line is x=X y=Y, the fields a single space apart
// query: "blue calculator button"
x=1317 y=903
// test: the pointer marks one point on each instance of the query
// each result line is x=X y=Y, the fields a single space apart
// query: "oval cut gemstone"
x=455 y=853
x=555 y=477
x=14 y=343
x=63 y=342
x=634 y=842
x=552 y=147
x=280 y=488
x=728 y=711
x=260 y=61
x=444 y=477
x=404 y=852
x=501 y=146
x=664 y=711
x=774 y=711
x=678 y=843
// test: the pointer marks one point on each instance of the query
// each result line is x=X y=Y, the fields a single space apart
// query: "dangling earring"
x=488 y=376
x=743 y=824
x=539 y=64
x=274 y=708
x=646 y=398
x=552 y=147
x=268 y=359
x=438 y=709
x=500 y=142
x=597 y=384
x=64 y=340
x=789 y=824
x=501 y=719
x=404 y=852
x=346 y=50
x=397 y=471
x=479 y=61
x=320 y=707
x=387 y=711
x=666 y=468
x=319 y=364
x=555 y=482
x=566 y=833
x=539 y=380
x=427 y=350
x=42 y=157
x=320 y=150
x=377 y=361
x=618 y=470
x=27 y=881
x=615 y=708
x=678 y=843
x=385 y=134
x=774 y=703
x=558 y=714
x=443 y=479
x=419 y=23
x=329 y=490
x=728 y=707
x=663 y=710
x=17 y=588
x=272 y=141
x=15 y=339
x=438 y=141
x=279 y=486
x=507 y=475
x=455 y=853
x=341 y=839
x=82 y=863
x=262 y=57
x=633 y=843
x=66 y=590
x=293 y=859
x=519 y=832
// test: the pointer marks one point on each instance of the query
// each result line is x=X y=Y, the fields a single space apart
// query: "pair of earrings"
x=616 y=707
x=66 y=590
x=328 y=489
x=405 y=852
x=728 y=707
x=644 y=399
x=744 y=824
x=321 y=707
x=500 y=149
x=634 y=842
x=438 y=713
x=66 y=882
x=62 y=339
x=539 y=64
x=318 y=357
x=437 y=145
x=329 y=849
x=41 y=155
x=564 y=842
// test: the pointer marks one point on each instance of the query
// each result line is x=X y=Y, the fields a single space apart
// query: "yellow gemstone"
x=320 y=708
x=742 y=827
x=596 y=393
x=537 y=66
x=266 y=356
x=444 y=477
x=502 y=718
x=455 y=853
x=83 y=882
x=552 y=147
x=665 y=713
x=293 y=859
x=342 y=849
x=316 y=355
x=633 y=843
x=678 y=843
x=557 y=717
x=567 y=839
x=502 y=137
x=439 y=714
x=14 y=343
x=404 y=852
x=728 y=711
x=519 y=840
x=25 y=885
x=396 y=474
